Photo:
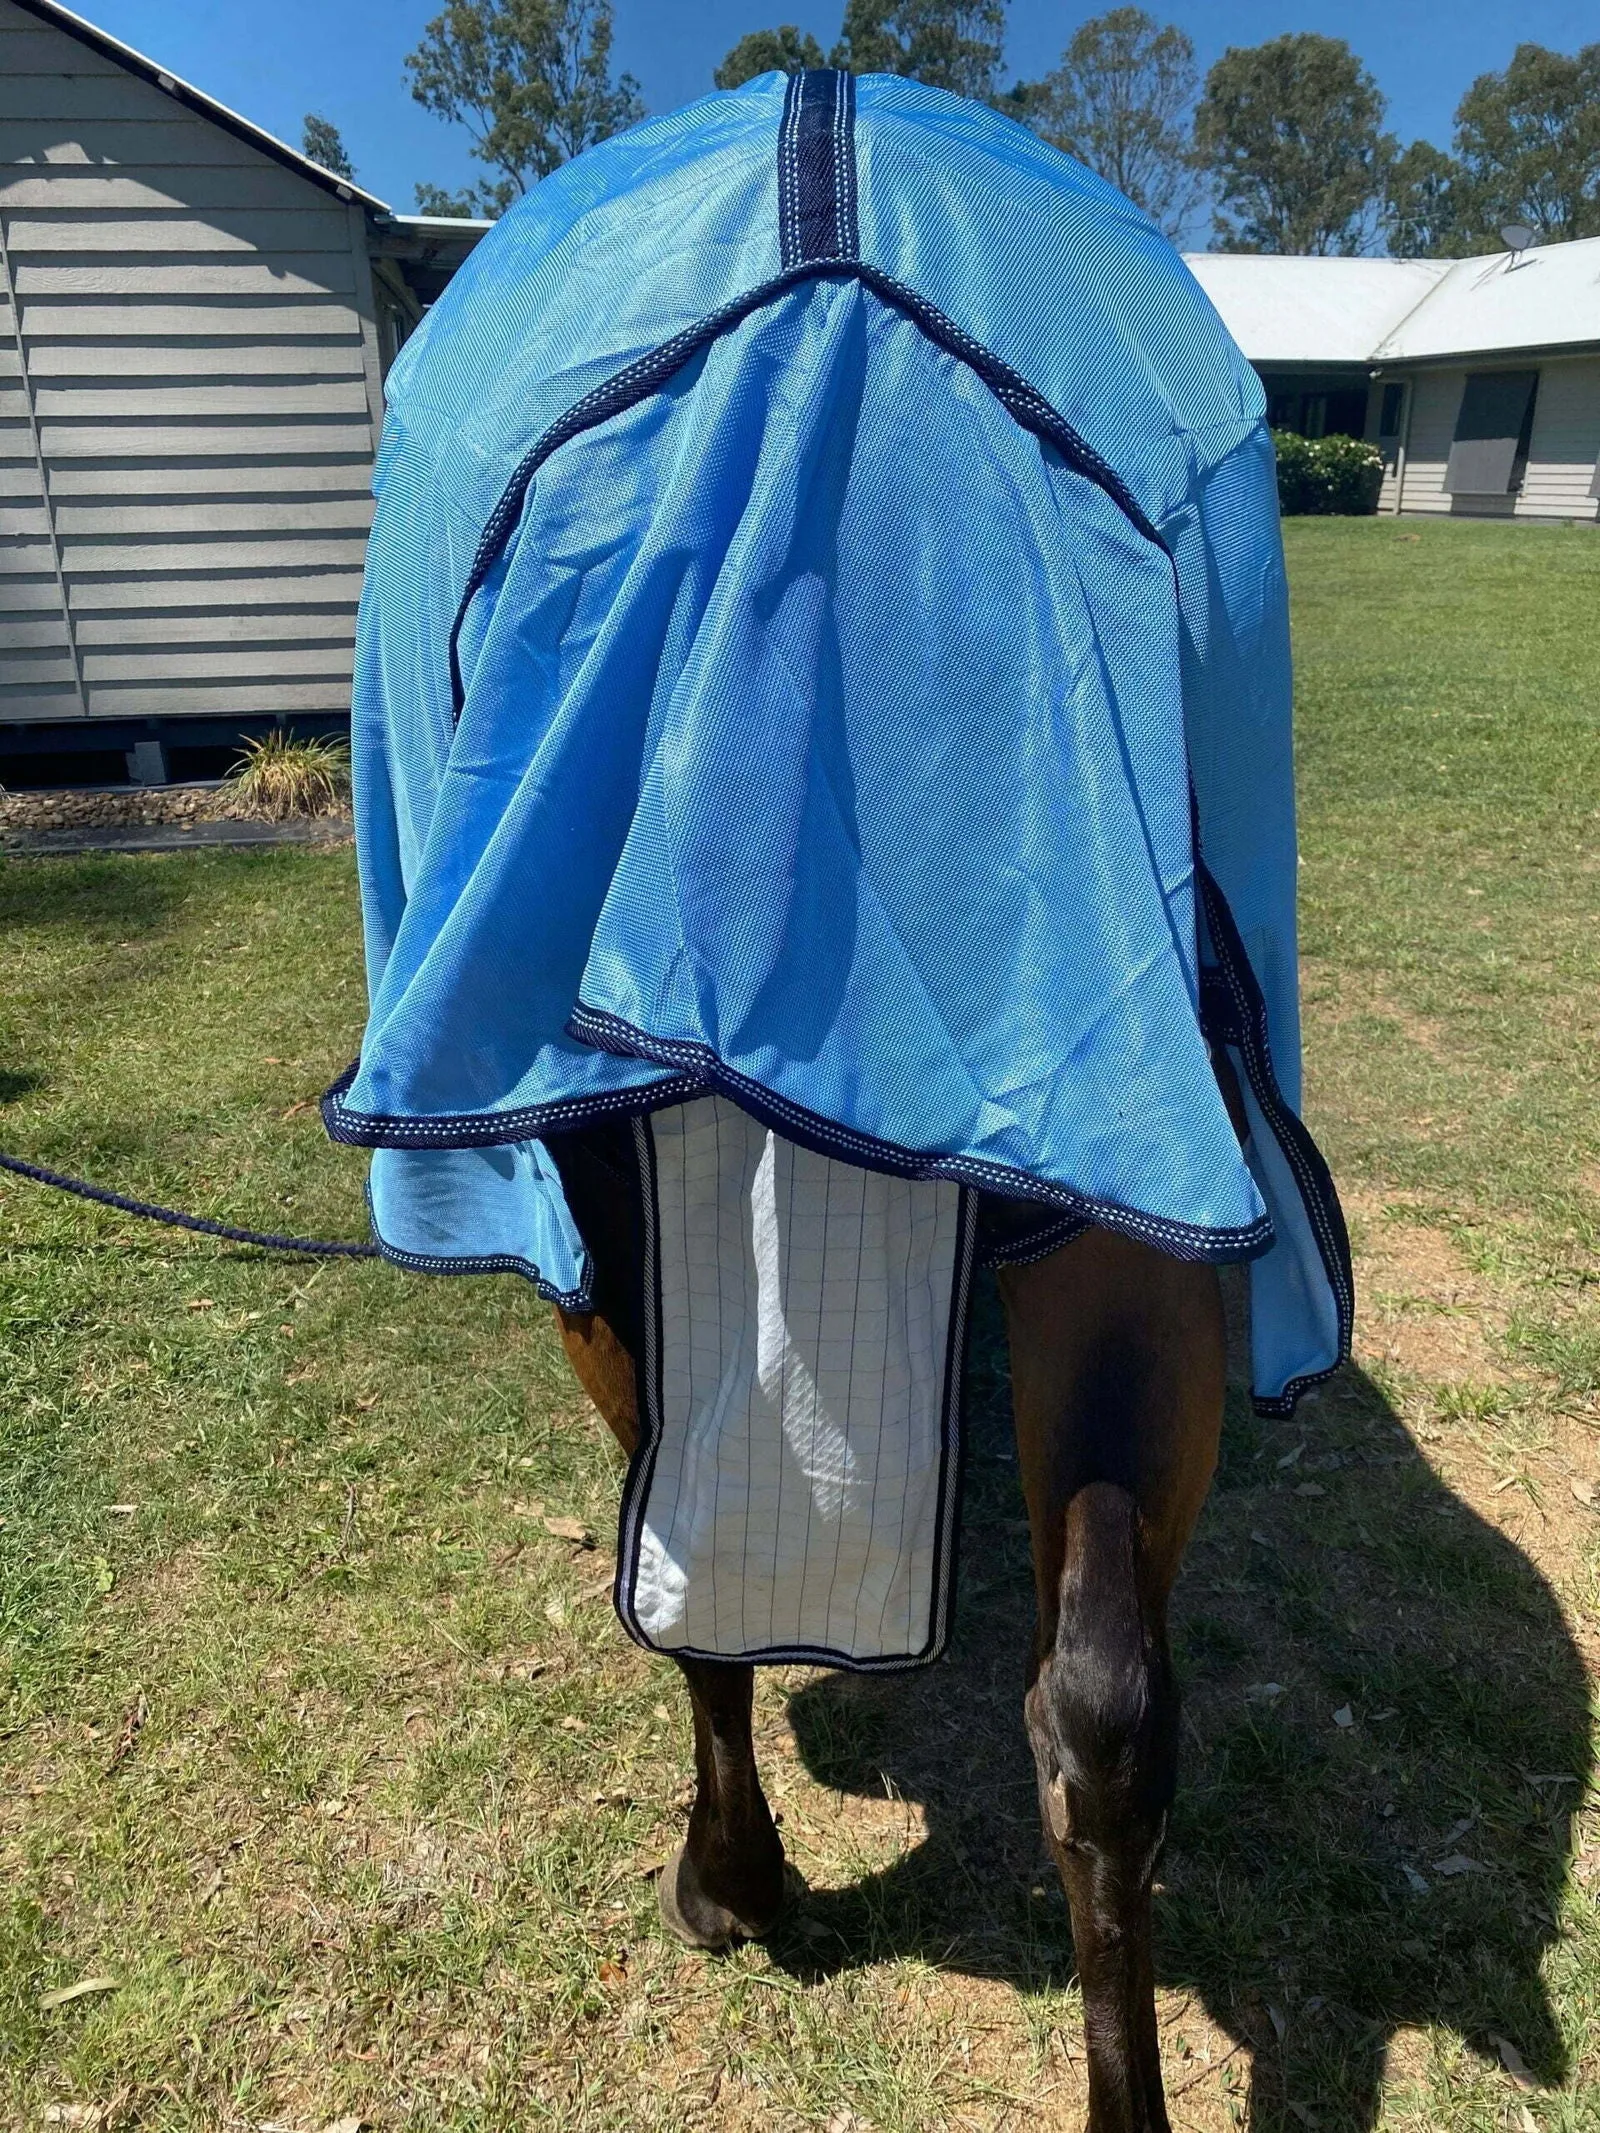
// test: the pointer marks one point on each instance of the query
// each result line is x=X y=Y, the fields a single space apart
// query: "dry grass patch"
x=1426 y=1314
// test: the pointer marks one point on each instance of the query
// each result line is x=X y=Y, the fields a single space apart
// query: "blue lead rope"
x=266 y=1240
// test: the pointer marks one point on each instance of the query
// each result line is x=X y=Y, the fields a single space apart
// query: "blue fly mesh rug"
x=822 y=698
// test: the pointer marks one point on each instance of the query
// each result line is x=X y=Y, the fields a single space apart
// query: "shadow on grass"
x=105 y=906
x=94 y=890
x=1326 y=1885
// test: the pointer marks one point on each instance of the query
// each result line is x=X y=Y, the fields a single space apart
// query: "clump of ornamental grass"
x=279 y=778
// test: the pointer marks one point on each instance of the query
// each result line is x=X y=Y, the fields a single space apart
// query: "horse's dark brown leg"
x=1118 y=1367
x=725 y=1883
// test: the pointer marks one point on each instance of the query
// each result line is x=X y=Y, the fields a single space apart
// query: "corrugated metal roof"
x=182 y=92
x=1546 y=298
x=1308 y=311
x=1293 y=310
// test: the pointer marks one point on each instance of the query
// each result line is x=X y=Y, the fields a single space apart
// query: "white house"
x=1478 y=379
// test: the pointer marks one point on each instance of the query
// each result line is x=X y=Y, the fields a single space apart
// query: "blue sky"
x=277 y=61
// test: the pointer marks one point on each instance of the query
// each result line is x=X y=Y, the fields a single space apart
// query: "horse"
x=1118 y=1366
x=821 y=739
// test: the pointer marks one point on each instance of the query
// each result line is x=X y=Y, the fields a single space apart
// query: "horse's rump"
x=823 y=697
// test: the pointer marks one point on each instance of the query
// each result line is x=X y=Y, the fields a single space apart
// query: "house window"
x=1493 y=429
x=1391 y=411
x=393 y=329
x=1335 y=414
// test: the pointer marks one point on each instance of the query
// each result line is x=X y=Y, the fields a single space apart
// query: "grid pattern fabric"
x=805 y=1320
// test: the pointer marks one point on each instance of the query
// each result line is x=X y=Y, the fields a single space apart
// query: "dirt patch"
x=1547 y=1504
x=1424 y=1313
x=1427 y=1319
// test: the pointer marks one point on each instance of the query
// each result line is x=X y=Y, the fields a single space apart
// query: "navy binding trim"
x=1033 y=1243
x=1234 y=1013
x=808 y=1129
x=1020 y=400
x=476 y=1263
x=697 y=1071
x=491 y=1129
x=648 y=373
x=817 y=168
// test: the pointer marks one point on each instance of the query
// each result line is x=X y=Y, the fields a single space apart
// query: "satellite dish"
x=1518 y=236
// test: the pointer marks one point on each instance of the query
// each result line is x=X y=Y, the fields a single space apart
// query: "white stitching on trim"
x=791 y=249
x=841 y=103
x=446 y=1131
x=686 y=1056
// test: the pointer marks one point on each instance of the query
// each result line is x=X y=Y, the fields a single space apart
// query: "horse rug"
x=822 y=725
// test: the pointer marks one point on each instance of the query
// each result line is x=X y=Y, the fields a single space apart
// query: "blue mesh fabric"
x=822 y=730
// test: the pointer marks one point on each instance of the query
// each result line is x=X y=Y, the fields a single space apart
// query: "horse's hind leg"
x=1117 y=1359
x=725 y=1882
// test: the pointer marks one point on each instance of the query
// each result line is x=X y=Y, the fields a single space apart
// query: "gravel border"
x=172 y=837
x=144 y=818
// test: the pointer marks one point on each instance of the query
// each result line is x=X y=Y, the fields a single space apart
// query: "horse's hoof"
x=690 y=1915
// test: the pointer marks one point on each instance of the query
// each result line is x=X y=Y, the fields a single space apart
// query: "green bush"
x=1327 y=476
x=1353 y=473
x=1294 y=473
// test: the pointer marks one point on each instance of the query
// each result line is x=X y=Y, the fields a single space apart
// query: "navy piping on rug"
x=817 y=168
x=493 y=1129
x=475 y=1263
x=648 y=373
x=1025 y=1246
x=818 y=237
x=641 y=1468
x=699 y=1072
x=647 y=1378
x=1234 y=1014
x=953 y=1468
x=825 y=1136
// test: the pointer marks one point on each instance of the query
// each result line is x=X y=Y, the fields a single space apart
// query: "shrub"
x=1327 y=476
x=279 y=777
x=1353 y=473
x=1294 y=472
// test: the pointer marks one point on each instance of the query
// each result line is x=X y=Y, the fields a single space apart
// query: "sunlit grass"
x=320 y=1745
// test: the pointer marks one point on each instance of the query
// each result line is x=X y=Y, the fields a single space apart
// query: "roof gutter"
x=184 y=93
x=1453 y=358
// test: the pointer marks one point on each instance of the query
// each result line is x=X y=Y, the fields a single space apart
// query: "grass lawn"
x=331 y=1764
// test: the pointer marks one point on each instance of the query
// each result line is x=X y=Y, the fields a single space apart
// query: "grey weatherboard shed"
x=194 y=325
